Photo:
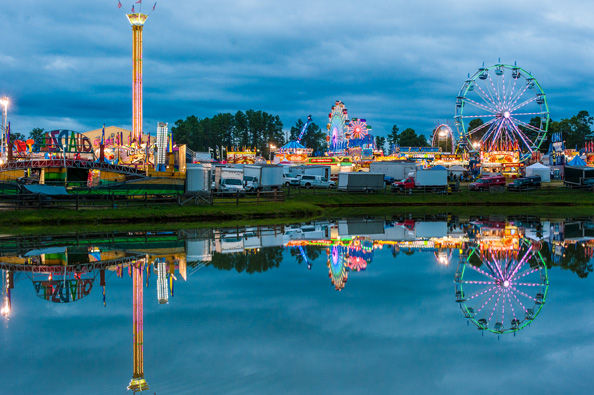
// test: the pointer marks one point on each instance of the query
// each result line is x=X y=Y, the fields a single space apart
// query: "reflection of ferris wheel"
x=512 y=105
x=337 y=265
x=338 y=120
x=502 y=291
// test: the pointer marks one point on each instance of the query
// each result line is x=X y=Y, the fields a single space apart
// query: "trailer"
x=578 y=176
x=198 y=178
x=393 y=170
x=360 y=182
x=262 y=177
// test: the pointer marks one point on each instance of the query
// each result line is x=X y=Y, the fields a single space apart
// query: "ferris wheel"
x=338 y=119
x=512 y=105
x=506 y=291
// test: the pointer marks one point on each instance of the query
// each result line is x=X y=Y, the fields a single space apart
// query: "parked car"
x=316 y=182
x=486 y=182
x=292 y=180
x=524 y=184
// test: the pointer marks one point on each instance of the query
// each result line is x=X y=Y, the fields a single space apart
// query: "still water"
x=404 y=305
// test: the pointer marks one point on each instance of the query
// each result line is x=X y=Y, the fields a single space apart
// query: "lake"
x=357 y=305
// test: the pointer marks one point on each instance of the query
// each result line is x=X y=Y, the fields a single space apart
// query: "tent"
x=541 y=170
x=457 y=170
x=577 y=161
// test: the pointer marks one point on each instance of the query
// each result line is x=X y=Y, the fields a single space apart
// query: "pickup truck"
x=316 y=182
x=409 y=184
x=486 y=183
x=524 y=184
x=291 y=180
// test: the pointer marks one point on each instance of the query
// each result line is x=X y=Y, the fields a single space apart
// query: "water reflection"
x=500 y=284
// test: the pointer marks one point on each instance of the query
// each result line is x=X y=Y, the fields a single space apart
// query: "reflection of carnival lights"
x=162 y=290
x=6 y=308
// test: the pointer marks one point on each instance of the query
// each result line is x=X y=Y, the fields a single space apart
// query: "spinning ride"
x=502 y=287
x=512 y=105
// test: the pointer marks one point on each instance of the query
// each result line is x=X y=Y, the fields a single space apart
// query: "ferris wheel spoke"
x=490 y=132
x=513 y=103
x=527 y=125
x=496 y=136
x=524 y=274
x=521 y=262
x=519 y=302
x=494 y=292
x=479 y=282
x=522 y=293
x=530 y=113
x=488 y=95
x=511 y=306
x=523 y=104
x=511 y=94
x=477 y=116
x=479 y=105
x=476 y=295
x=528 y=284
x=481 y=271
x=487 y=99
x=481 y=126
x=495 y=90
x=496 y=262
x=494 y=306
x=527 y=141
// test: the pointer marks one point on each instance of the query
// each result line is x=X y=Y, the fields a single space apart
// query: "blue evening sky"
x=67 y=64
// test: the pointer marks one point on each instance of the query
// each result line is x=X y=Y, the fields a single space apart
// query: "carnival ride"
x=294 y=151
x=337 y=128
x=513 y=107
x=502 y=284
x=443 y=133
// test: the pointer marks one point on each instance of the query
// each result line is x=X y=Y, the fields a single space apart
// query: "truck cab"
x=231 y=185
x=406 y=184
x=251 y=183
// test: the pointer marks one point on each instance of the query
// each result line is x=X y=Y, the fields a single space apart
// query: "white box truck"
x=360 y=182
x=393 y=170
x=434 y=179
x=262 y=177
x=229 y=180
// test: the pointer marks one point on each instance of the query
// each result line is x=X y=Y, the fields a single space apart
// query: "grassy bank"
x=308 y=204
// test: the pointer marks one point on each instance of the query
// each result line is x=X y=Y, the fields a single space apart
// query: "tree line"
x=260 y=130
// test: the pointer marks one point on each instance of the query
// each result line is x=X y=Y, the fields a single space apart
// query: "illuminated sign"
x=65 y=141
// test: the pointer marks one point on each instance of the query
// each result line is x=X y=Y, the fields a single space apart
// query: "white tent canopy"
x=541 y=170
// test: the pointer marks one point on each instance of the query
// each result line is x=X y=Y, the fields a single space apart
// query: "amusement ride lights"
x=4 y=102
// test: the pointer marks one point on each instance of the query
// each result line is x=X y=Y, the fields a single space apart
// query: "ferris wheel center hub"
x=506 y=114
x=506 y=284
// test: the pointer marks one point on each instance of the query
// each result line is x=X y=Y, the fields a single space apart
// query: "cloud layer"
x=68 y=65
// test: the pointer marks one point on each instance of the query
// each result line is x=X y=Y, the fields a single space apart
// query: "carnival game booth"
x=506 y=163
x=538 y=169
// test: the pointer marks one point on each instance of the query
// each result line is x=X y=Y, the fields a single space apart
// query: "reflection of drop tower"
x=138 y=383
x=137 y=21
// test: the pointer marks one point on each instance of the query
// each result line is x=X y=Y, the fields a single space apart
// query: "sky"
x=67 y=64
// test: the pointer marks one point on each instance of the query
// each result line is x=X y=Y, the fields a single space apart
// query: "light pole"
x=4 y=102
x=272 y=147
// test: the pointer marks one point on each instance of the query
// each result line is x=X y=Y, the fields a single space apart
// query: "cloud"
x=389 y=61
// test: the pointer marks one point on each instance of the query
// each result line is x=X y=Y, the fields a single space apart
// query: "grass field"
x=302 y=205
